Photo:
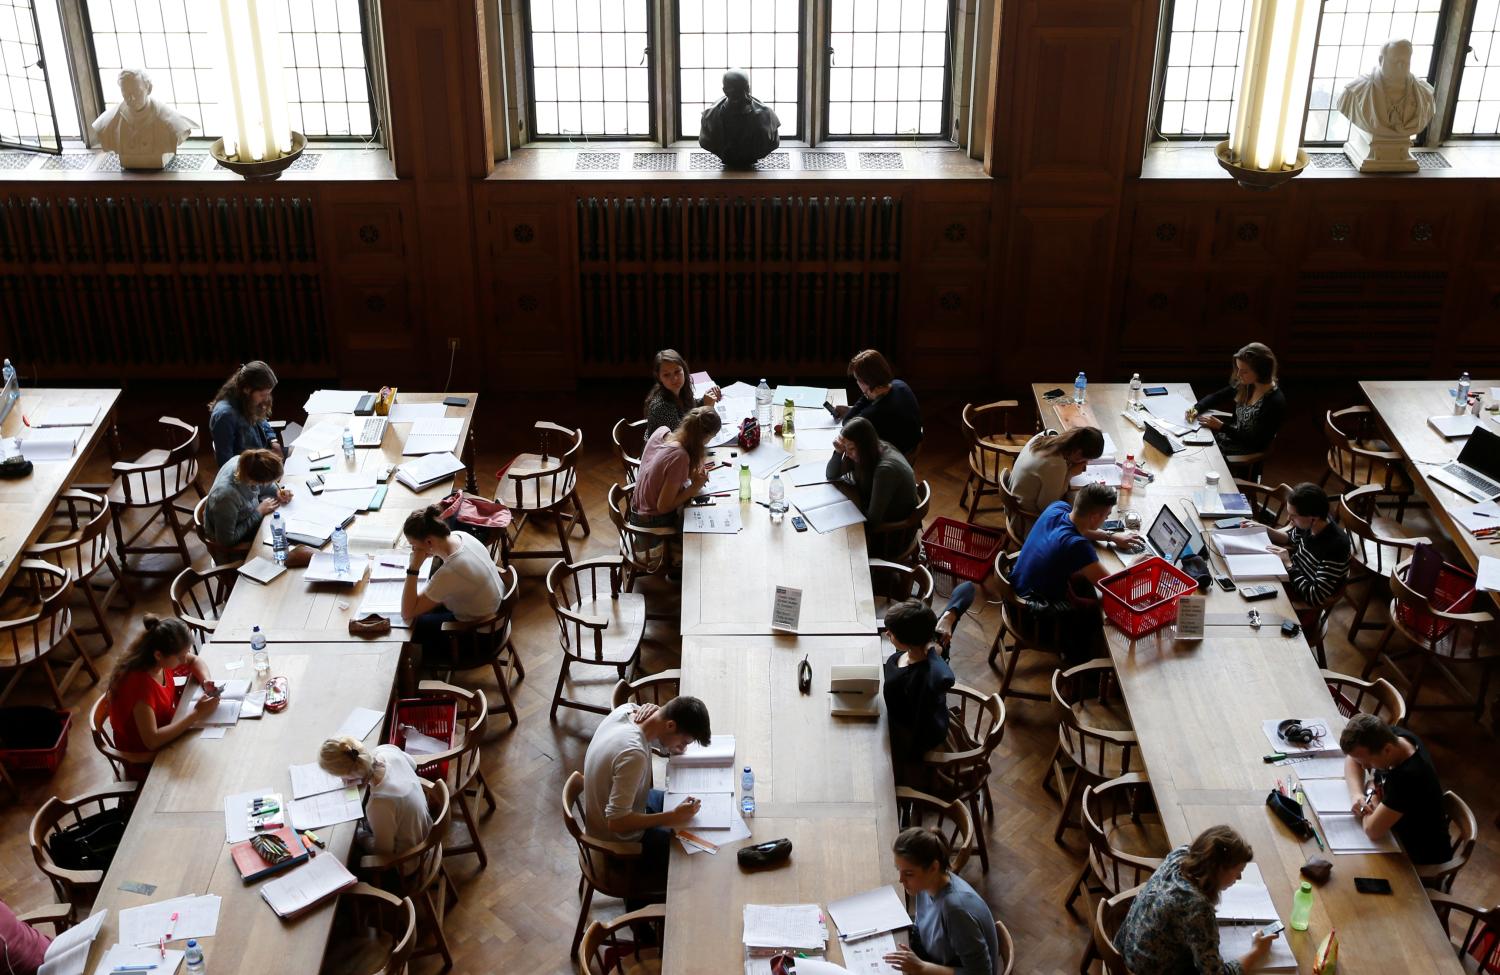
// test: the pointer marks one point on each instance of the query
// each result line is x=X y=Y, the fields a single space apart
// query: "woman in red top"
x=143 y=695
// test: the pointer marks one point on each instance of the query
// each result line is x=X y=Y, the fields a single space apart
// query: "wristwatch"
x=413 y=572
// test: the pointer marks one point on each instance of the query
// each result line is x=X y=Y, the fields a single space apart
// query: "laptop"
x=368 y=430
x=1168 y=538
x=7 y=398
x=1476 y=472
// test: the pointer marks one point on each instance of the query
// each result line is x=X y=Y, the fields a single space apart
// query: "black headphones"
x=1293 y=732
x=804 y=676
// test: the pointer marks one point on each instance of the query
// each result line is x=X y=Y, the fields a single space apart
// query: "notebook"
x=419 y=475
x=826 y=508
x=262 y=570
x=308 y=885
x=253 y=866
x=55 y=444
x=67 y=416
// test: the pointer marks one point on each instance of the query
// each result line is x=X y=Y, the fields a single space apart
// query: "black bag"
x=1290 y=813
x=1197 y=567
x=90 y=843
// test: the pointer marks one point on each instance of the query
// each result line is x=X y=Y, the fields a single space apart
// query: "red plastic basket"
x=1452 y=593
x=44 y=760
x=961 y=549
x=435 y=719
x=1144 y=597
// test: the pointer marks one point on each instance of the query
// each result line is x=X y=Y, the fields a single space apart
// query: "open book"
x=826 y=508
x=419 y=475
x=1247 y=553
x=310 y=521
x=307 y=886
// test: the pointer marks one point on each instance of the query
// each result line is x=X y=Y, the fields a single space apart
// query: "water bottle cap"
x=254 y=629
x=1306 y=886
x=192 y=942
x=747 y=768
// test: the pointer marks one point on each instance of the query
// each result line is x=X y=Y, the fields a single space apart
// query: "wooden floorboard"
x=518 y=915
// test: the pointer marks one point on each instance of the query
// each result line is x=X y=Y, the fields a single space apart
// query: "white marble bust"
x=1385 y=109
x=144 y=130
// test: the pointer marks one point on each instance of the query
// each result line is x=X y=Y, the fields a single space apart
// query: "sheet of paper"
x=418 y=474
x=835 y=516
x=324 y=568
x=869 y=912
x=211 y=733
x=787 y=609
x=1315 y=767
x=1247 y=899
x=1345 y=834
x=69 y=951
x=1107 y=474
x=702 y=382
x=1326 y=745
x=1255 y=567
x=722 y=479
x=197 y=917
x=1489 y=574
x=1242 y=541
x=333 y=401
x=411 y=412
x=236 y=822
x=416 y=744
x=57 y=444
x=438 y=426
x=817 y=496
x=809 y=470
x=866 y=956
x=1191 y=611
x=803 y=396
x=718 y=751
x=327 y=809
x=816 y=438
x=738 y=388
x=67 y=416
x=229 y=690
x=383 y=598
x=305 y=885
x=766 y=458
x=1171 y=407
x=1486 y=515
x=817 y=419
x=262 y=570
x=784 y=926
x=121 y=955
x=360 y=499
x=1327 y=795
x=324 y=436
x=253 y=706
x=347 y=480
x=711 y=519
x=737 y=831
x=311 y=780
x=429 y=443
x=361 y=722
x=697 y=780
x=226 y=713
x=1235 y=941
x=714 y=813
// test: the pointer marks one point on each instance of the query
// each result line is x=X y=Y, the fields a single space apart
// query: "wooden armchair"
x=77 y=888
x=1467 y=926
x=893 y=583
x=29 y=642
x=374 y=934
x=1463 y=833
x=1095 y=740
x=1375 y=550
x=993 y=449
x=950 y=818
x=655 y=689
x=1354 y=696
x=598 y=623
x=1019 y=516
x=199 y=597
x=901 y=541
x=1126 y=838
x=465 y=776
x=77 y=538
x=960 y=770
x=1251 y=466
x=1358 y=457
x=611 y=868
x=646 y=551
x=545 y=485
x=629 y=438
x=153 y=482
x=120 y=762
x=1108 y=917
x=1023 y=635
x=219 y=553
x=1269 y=506
x=487 y=643
x=418 y=874
x=627 y=945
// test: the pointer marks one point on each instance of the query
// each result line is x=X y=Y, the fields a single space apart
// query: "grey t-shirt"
x=616 y=774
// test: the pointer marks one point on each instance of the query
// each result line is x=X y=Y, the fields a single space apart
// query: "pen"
x=1317 y=837
x=717 y=494
x=133 y=968
x=795 y=466
x=321 y=467
x=856 y=935
x=763 y=504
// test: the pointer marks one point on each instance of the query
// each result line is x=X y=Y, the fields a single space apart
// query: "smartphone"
x=702 y=500
x=831 y=411
x=315 y=486
x=1113 y=525
x=1372 y=885
x=1252 y=593
x=455 y=401
x=1225 y=583
x=1155 y=390
x=1053 y=394
x=798 y=523
x=1229 y=522
x=1275 y=927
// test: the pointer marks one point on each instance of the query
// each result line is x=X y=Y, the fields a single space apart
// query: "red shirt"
x=25 y=946
x=135 y=688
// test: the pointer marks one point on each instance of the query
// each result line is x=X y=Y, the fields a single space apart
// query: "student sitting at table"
x=1057 y=569
x=25 y=946
x=672 y=397
x=142 y=691
x=881 y=476
x=1255 y=399
x=396 y=814
x=244 y=491
x=619 y=804
x=954 y=933
x=1049 y=461
x=885 y=401
x=917 y=679
x=1171 y=928
x=1403 y=795
x=239 y=415
x=672 y=469
x=465 y=585
x=1315 y=549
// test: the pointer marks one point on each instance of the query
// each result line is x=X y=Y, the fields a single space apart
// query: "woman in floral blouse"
x=1171 y=928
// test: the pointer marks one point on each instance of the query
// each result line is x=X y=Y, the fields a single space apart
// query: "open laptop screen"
x=1168 y=535
x=1482 y=453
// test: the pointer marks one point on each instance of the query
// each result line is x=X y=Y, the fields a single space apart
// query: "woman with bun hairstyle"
x=671 y=397
x=954 y=930
x=244 y=491
x=142 y=691
x=1049 y=461
x=239 y=417
x=672 y=469
x=464 y=583
x=396 y=815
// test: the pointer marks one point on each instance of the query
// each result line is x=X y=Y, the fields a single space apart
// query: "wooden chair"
x=1358 y=457
x=629 y=438
x=949 y=817
x=76 y=888
x=545 y=485
x=78 y=539
x=1375 y=549
x=586 y=605
x=221 y=554
x=605 y=866
x=1023 y=635
x=1127 y=842
x=646 y=551
x=901 y=541
x=1463 y=832
x=1019 y=516
x=487 y=643
x=418 y=874
x=1447 y=640
x=993 y=449
x=627 y=945
x=374 y=935
x=153 y=482
x=1354 y=696
x=1269 y=506
x=1108 y=917
x=1473 y=924
x=655 y=689
x=1315 y=619
x=1007 y=949
x=893 y=583
x=1249 y=466
x=104 y=741
x=43 y=591
x=200 y=595
x=465 y=776
x=1095 y=740
x=56 y=915
x=959 y=771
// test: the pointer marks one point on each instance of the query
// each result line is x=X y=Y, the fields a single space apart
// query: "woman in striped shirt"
x=1315 y=549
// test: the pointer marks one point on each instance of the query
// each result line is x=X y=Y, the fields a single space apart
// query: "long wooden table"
x=176 y=836
x=26 y=504
x=1197 y=710
x=825 y=783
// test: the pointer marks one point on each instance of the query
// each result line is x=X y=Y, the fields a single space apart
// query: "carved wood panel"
x=1049 y=298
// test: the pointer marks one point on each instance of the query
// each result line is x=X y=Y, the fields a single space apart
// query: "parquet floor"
x=518 y=915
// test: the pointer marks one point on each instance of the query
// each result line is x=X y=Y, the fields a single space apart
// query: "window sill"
x=607 y=162
x=1196 y=161
x=322 y=162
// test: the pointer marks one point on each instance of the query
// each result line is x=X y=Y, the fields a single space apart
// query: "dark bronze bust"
x=737 y=128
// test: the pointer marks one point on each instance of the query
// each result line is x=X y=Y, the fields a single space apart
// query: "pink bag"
x=472 y=512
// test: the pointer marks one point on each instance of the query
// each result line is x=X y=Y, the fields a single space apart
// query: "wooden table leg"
x=471 y=483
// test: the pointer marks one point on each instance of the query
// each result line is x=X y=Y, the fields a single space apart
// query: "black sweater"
x=1252 y=428
x=896 y=416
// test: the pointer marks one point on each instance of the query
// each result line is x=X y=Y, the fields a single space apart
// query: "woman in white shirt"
x=465 y=585
x=1049 y=461
x=396 y=815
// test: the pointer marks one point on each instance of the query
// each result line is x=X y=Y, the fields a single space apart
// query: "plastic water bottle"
x=1127 y=473
x=258 y=655
x=341 y=551
x=778 y=499
x=1080 y=389
x=744 y=482
x=278 y=538
x=1302 y=907
x=1135 y=389
x=1460 y=398
x=747 y=793
x=194 y=959
x=348 y=444
x=12 y=382
x=763 y=404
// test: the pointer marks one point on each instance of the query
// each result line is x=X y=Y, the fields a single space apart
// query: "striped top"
x=1320 y=563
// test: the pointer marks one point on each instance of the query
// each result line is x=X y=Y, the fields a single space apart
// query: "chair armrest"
x=1426 y=870
x=602 y=562
x=57 y=915
x=917 y=795
x=442 y=687
x=84 y=878
x=118 y=790
x=376 y=862
x=650 y=912
x=612 y=847
x=208 y=626
x=936 y=757
x=592 y=622
x=661 y=532
x=468 y=626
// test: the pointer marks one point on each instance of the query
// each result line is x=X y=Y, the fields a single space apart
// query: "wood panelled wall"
x=1063 y=258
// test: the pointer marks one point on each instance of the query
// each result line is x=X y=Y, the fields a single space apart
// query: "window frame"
x=528 y=69
x=56 y=148
x=674 y=77
x=950 y=67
